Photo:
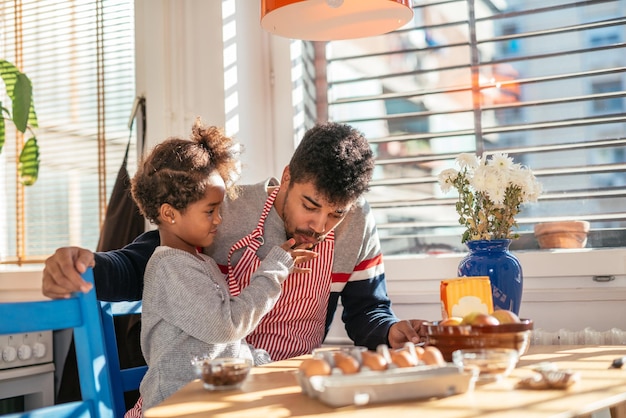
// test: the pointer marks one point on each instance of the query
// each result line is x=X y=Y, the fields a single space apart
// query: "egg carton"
x=398 y=384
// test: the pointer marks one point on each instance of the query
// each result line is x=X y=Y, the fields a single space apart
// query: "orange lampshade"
x=326 y=20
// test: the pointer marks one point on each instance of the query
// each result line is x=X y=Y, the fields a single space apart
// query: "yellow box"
x=464 y=295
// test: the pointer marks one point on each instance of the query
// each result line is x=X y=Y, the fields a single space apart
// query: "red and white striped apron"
x=296 y=323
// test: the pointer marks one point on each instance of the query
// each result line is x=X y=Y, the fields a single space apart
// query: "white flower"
x=491 y=191
x=447 y=178
x=485 y=179
x=502 y=161
x=528 y=184
x=469 y=161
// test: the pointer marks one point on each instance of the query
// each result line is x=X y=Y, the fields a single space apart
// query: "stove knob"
x=24 y=352
x=39 y=350
x=9 y=353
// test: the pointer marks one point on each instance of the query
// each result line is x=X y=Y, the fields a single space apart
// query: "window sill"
x=542 y=263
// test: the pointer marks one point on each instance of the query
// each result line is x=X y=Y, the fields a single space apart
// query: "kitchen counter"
x=20 y=286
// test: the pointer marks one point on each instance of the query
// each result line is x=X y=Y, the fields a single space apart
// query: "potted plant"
x=491 y=191
x=20 y=91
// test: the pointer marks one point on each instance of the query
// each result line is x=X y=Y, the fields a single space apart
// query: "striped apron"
x=296 y=324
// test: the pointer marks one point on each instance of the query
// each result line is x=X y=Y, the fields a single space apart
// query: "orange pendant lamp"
x=327 y=20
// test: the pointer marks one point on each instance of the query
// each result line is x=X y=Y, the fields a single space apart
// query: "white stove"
x=27 y=370
x=19 y=350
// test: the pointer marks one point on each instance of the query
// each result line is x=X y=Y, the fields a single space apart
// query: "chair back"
x=123 y=380
x=80 y=312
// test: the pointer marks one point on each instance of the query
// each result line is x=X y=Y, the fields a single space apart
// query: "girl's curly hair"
x=177 y=170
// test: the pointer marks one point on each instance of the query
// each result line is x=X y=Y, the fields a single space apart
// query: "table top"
x=273 y=391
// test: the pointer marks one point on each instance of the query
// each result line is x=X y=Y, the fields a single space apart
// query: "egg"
x=374 y=361
x=315 y=367
x=383 y=350
x=433 y=357
x=402 y=358
x=346 y=363
x=419 y=351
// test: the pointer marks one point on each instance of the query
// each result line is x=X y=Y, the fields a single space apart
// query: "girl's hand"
x=300 y=254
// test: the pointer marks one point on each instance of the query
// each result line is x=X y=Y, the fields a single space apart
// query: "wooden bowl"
x=562 y=234
x=448 y=338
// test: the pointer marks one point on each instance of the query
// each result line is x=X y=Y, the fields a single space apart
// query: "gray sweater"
x=188 y=311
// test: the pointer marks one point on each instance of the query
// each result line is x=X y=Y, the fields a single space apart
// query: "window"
x=614 y=104
x=79 y=56
x=539 y=80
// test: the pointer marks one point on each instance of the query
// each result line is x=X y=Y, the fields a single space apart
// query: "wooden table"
x=272 y=391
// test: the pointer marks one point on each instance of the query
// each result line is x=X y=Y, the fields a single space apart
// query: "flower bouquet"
x=491 y=191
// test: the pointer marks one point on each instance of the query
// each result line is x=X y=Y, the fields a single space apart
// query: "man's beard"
x=299 y=232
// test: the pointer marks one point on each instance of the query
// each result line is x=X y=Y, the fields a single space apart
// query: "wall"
x=236 y=76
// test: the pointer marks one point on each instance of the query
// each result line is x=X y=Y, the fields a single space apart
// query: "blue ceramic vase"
x=492 y=258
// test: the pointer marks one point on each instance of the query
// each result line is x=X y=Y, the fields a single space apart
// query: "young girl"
x=187 y=308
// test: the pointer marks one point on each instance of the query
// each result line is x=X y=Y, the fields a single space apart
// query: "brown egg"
x=373 y=360
x=402 y=358
x=433 y=357
x=419 y=352
x=315 y=367
x=346 y=363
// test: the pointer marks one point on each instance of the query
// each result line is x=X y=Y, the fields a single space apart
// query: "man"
x=319 y=201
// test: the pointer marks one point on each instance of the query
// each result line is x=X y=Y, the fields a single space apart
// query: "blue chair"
x=123 y=380
x=82 y=313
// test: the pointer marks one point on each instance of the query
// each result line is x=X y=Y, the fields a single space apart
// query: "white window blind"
x=541 y=80
x=79 y=56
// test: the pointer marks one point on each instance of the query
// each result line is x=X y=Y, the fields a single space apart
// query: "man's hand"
x=407 y=330
x=62 y=273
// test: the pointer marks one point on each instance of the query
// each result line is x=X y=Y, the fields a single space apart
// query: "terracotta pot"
x=562 y=234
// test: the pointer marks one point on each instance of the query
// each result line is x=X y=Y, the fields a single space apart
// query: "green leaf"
x=5 y=110
x=2 y=130
x=28 y=166
x=8 y=72
x=20 y=90
x=32 y=116
x=22 y=100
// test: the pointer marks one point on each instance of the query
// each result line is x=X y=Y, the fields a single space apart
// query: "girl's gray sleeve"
x=192 y=302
